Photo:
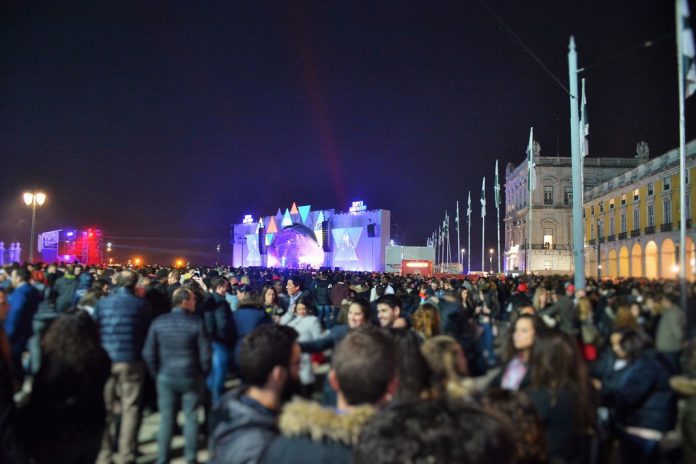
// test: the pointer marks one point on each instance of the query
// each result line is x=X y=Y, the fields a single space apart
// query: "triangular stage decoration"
x=287 y=221
x=346 y=239
x=293 y=209
x=253 y=257
x=304 y=213
x=272 y=227
x=320 y=218
x=261 y=225
x=269 y=239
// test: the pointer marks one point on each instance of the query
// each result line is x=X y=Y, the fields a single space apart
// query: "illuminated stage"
x=299 y=238
x=69 y=245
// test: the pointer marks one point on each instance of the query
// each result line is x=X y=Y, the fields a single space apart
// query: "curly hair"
x=426 y=320
x=73 y=338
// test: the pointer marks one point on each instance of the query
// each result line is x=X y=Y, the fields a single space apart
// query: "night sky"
x=165 y=122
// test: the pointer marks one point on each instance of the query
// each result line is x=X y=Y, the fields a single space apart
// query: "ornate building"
x=550 y=250
x=632 y=220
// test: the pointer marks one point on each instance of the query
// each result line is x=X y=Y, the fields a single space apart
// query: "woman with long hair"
x=65 y=418
x=307 y=325
x=516 y=373
x=560 y=390
x=269 y=300
x=426 y=320
x=447 y=363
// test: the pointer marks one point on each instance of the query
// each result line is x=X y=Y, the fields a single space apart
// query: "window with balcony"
x=636 y=195
x=651 y=188
x=667 y=208
x=623 y=199
x=612 y=226
x=636 y=218
x=611 y=204
x=548 y=195
x=651 y=215
x=623 y=223
x=567 y=195
x=666 y=183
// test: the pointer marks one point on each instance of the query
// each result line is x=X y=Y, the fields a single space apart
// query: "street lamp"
x=463 y=253
x=490 y=252
x=33 y=199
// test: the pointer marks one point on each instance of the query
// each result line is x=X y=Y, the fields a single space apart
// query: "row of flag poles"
x=440 y=239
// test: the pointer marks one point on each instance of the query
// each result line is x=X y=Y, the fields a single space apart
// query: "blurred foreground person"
x=434 y=432
x=364 y=377
x=64 y=420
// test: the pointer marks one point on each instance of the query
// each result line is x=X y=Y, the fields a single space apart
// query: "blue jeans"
x=220 y=367
x=169 y=393
x=325 y=315
x=486 y=343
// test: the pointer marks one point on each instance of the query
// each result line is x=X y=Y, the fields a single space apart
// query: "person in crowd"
x=389 y=312
x=364 y=376
x=271 y=304
x=685 y=384
x=123 y=321
x=245 y=419
x=12 y=448
x=432 y=432
x=4 y=305
x=412 y=370
x=517 y=300
x=24 y=303
x=177 y=354
x=560 y=391
x=486 y=311
x=308 y=327
x=173 y=282
x=671 y=328
x=220 y=326
x=644 y=405
x=66 y=286
x=65 y=418
x=589 y=334
x=426 y=321
x=321 y=291
x=44 y=316
x=448 y=366
x=518 y=410
x=518 y=352
x=624 y=317
x=295 y=291
x=249 y=315
x=542 y=298
x=563 y=310
x=467 y=301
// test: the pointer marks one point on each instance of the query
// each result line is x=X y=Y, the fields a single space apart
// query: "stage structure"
x=68 y=245
x=304 y=238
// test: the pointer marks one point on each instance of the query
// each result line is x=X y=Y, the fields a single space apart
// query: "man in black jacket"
x=222 y=330
x=177 y=354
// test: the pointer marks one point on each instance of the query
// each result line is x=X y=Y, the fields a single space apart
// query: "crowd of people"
x=337 y=366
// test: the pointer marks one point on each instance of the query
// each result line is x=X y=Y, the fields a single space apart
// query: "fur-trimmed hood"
x=310 y=419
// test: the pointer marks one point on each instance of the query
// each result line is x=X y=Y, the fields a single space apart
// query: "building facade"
x=632 y=221
x=550 y=250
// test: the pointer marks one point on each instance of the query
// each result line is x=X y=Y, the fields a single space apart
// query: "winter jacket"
x=308 y=328
x=177 y=346
x=219 y=322
x=123 y=320
x=66 y=287
x=339 y=292
x=247 y=318
x=640 y=394
x=311 y=433
x=241 y=430
x=321 y=292
x=24 y=302
x=670 y=330
x=327 y=342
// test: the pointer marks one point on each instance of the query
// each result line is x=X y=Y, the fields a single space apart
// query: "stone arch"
x=623 y=262
x=668 y=259
x=612 y=264
x=651 y=260
x=636 y=261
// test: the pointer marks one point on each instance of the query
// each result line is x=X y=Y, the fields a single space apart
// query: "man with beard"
x=244 y=423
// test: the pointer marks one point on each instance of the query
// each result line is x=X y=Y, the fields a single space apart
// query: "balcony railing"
x=649 y=230
x=622 y=235
x=667 y=227
x=635 y=233
x=611 y=238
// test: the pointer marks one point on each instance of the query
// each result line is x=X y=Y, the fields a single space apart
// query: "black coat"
x=219 y=322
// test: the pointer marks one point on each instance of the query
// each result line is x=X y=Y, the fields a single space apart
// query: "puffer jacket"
x=123 y=321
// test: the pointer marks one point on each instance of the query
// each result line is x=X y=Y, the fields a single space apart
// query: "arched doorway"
x=636 y=261
x=623 y=262
x=668 y=258
x=612 y=265
x=651 y=260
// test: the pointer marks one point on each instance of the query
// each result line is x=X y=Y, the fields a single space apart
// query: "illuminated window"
x=636 y=195
x=666 y=183
x=623 y=199
x=548 y=195
x=611 y=204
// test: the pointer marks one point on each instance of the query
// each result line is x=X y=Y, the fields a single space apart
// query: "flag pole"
x=460 y=258
x=468 y=243
x=483 y=225
x=681 y=15
x=497 y=208
x=530 y=187
x=576 y=169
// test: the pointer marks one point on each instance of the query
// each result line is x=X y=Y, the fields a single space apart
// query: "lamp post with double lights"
x=33 y=199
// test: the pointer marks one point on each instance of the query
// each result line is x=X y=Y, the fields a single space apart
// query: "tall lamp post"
x=463 y=253
x=490 y=252
x=33 y=199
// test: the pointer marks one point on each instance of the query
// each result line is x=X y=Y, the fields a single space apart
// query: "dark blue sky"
x=171 y=120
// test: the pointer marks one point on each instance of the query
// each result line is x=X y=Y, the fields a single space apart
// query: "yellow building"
x=632 y=221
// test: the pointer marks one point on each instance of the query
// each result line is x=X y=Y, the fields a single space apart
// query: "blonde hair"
x=426 y=320
x=584 y=308
x=440 y=352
